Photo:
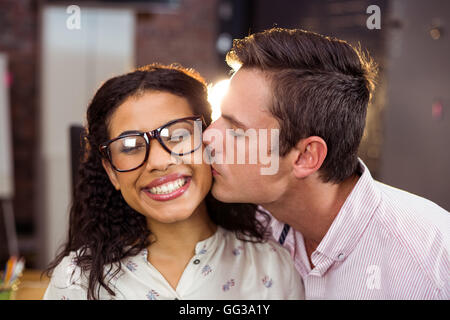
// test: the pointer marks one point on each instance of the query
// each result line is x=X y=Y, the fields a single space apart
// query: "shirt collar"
x=353 y=218
x=204 y=247
x=209 y=245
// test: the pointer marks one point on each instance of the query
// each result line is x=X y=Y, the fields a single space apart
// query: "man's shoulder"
x=410 y=208
x=419 y=226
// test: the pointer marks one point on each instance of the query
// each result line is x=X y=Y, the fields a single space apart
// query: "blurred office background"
x=50 y=67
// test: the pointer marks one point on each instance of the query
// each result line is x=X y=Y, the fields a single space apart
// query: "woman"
x=143 y=224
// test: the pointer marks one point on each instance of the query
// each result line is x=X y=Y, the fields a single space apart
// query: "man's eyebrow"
x=234 y=121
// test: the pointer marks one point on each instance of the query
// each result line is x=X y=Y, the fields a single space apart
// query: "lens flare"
x=216 y=93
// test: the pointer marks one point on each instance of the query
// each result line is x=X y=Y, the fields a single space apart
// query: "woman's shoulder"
x=70 y=280
x=67 y=278
x=69 y=269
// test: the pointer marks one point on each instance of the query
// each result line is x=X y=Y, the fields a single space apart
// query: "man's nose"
x=206 y=136
x=208 y=140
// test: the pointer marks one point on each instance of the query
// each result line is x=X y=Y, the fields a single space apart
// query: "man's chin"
x=222 y=194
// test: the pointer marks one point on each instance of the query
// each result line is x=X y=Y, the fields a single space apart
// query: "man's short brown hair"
x=321 y=87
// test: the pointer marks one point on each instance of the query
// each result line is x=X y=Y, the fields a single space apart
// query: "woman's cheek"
x=205 y=178
x=129 y=190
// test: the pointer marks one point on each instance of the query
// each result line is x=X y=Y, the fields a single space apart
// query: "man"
x=351 y=237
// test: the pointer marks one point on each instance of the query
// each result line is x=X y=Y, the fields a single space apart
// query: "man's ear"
x=111 y=174
x=310 y=155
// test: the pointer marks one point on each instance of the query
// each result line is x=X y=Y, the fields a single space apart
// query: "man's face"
x=245 y=110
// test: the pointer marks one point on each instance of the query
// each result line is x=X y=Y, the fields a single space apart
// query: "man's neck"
x=311 y=206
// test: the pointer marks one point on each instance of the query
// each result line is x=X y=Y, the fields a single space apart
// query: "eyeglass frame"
x=148 y=136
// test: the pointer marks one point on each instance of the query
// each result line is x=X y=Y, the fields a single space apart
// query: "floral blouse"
x=223 y=267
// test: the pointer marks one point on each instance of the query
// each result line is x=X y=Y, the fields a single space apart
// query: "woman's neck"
x=173 y=244
x=180 y=238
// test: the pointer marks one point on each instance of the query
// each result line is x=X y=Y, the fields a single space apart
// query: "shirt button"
x=196 y=261
x=341 y=256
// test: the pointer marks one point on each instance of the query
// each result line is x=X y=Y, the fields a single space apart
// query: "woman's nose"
x=158 y=157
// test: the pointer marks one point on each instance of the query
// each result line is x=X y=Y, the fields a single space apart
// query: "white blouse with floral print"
x=223 y=267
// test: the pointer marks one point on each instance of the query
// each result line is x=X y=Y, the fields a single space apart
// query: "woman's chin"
x=168 y=217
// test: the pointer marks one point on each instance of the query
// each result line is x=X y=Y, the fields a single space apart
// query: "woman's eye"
x=180 y=136
x=130 y=150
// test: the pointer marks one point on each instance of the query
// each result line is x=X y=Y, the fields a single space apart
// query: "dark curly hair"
x=103 y=228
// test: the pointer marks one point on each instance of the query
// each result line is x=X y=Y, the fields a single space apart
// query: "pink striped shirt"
x=385 y=243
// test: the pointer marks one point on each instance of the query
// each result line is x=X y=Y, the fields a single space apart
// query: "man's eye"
x=237 y=132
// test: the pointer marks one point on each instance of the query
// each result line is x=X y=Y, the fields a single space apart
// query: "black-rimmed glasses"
x=130 y=150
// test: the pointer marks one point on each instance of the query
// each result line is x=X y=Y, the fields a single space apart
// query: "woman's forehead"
x=148 y=111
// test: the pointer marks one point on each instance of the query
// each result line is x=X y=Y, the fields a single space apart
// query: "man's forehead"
x=249 y=97
x=251 y=78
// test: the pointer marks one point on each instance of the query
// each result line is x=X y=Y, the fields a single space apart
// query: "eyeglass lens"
x=180 y=138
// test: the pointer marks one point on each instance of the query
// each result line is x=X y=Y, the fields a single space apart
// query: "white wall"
x=74 y=64
x=6 y=166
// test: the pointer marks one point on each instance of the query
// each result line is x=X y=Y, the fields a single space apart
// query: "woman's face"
x=184 y=185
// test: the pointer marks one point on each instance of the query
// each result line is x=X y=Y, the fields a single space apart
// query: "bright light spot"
x=130 y=142
x=216 y=93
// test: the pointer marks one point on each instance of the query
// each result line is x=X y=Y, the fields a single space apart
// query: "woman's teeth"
x=168 y=187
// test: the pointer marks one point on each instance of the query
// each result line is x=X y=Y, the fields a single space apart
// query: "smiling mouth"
x=168 y=187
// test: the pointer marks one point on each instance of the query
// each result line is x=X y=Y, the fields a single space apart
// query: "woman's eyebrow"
x=129 y=132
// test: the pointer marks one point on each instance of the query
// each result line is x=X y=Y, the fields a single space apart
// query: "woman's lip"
x=165 y=179
x=169 y=196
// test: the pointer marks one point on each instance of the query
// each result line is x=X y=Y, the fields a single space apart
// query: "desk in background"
x=32 y=286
